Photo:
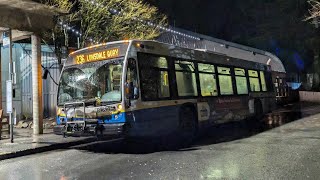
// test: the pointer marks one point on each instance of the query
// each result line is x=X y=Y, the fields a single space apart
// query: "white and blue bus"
x=147 y=88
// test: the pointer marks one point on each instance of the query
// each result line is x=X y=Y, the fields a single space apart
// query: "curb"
x=36 y=150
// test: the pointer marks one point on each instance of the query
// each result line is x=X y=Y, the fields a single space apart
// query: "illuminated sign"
x=97 y=56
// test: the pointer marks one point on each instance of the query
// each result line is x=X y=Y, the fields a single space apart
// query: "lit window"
x=241 y=81
x=225 y=81
x=254 y=81
x=263 y=81
x=208 y=84
x=186 y=83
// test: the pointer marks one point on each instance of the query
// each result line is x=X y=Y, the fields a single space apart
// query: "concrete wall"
x=309 y=96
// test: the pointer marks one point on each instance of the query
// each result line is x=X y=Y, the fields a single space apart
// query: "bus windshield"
x=94 y=80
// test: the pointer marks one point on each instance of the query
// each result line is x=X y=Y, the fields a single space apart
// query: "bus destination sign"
x=97 y=56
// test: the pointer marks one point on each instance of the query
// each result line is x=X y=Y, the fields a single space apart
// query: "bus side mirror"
x=129 y=91
x=132 y=92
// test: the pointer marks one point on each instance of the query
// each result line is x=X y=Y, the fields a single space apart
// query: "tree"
x=58 y=36
x=314 y=11
x=99 y=21
x=104 y=25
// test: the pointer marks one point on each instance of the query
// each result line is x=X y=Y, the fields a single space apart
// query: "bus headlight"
x=59 y=111
x=119 y=108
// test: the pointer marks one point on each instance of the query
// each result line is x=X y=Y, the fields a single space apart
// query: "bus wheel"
x=258 y=110
x=188 y=126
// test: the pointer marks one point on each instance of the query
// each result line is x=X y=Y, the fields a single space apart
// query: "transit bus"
x=147 y=89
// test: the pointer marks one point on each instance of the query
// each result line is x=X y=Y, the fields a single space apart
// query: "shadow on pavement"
x=216 y=134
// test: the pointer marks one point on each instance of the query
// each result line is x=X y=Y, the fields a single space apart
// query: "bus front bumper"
x=83 y=129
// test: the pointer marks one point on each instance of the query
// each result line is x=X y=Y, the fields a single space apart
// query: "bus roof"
x=223 y=47
x=248 y=54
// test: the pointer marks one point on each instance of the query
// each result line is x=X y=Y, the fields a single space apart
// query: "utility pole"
x=7 y=42
x=37 y=111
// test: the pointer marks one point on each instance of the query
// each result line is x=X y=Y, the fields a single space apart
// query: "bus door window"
x=116 y=78
x=132 y=79
x=225 y=81
x=254 y=81
x=241 y=81
x=208 y=82
x=186 y=78
x=154 y=77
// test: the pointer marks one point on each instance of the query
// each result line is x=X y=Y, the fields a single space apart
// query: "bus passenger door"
x=132 y=86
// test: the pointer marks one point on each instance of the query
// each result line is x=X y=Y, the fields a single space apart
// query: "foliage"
x=102 y=25
x=314 y=11
x=58 y=36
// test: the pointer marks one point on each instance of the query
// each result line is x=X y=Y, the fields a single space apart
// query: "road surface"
x=274 y=148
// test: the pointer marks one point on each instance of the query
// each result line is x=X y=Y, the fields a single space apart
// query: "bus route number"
x=97 y=56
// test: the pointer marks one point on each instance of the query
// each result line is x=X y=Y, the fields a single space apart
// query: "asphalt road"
x=274 y=148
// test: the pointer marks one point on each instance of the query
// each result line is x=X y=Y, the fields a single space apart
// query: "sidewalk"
x=25 y=143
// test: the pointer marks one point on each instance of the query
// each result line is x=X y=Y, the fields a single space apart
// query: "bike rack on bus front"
x=75 y=115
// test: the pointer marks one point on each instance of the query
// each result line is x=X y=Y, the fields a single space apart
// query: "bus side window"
x=254 y=81
x=263 y=81
x=241 y=81
x=186 y=78
x=207 y=77
x=225 y=81
x=132 y=80
x=154 y=77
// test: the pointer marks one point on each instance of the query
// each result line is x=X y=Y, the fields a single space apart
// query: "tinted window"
x=254 y=81
x=153 y=77
x=263 y=81
x=225 y=81
x=208 y=84
x=206 y=68
x=241 y=81
x=186 y=78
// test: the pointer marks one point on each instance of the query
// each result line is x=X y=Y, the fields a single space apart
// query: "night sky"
x=273 y=25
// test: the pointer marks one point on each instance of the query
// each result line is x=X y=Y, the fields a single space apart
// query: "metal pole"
x=78 y=42
x=36 y=86
x=10 y=78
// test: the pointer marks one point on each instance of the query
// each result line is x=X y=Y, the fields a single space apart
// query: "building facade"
x=22 y=100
